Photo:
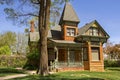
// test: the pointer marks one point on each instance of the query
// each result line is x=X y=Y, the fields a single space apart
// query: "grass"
x=9 y=71
x=109 y=74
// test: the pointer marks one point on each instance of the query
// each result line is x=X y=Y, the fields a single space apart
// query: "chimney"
x=32 y=29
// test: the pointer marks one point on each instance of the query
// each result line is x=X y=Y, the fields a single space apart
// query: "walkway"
x=18 y=75
x=13 y=76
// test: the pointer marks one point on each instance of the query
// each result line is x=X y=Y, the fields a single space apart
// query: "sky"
x=106 y=12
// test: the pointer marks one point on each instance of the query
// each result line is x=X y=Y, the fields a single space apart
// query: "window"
x=95 y=54
x=90 y=31
x=70 y=32
x=93 y=31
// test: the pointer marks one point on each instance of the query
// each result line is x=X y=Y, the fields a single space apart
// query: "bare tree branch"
x=34 y=2
x=28 y=14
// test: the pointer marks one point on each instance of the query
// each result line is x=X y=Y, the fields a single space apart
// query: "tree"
x=5 y=50
x=107 y=47
x=21 y=43
x=40 y=9
x=7 y=38
x=112 y=50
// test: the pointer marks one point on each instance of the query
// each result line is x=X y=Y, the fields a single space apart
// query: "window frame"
x=70 y=32
x=95 y=54
x=93 y=31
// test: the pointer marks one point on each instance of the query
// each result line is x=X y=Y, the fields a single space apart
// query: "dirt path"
x=18 y=75
x=13 y=76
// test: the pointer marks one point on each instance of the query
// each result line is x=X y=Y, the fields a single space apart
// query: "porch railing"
x=64 y=64
x=69 y=64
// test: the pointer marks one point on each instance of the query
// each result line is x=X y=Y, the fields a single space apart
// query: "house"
x=73 y=48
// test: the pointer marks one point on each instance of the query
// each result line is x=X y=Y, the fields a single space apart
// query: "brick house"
x=73 y=48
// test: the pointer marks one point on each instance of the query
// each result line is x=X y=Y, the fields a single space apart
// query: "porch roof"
x=64 y=43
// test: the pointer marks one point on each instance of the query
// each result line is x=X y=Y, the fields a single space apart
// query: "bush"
x=12 y=61
x=5 y=50
x=112 y=63
x=32 y=61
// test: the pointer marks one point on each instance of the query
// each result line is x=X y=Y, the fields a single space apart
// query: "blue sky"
x=106 y=12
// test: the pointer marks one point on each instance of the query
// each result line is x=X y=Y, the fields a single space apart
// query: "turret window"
x=70 y=32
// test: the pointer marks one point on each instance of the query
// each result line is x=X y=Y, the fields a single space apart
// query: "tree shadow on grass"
x=114 y=69
x=84 y=79
x=53 y=77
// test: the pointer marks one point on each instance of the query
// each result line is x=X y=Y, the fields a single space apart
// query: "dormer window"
x=93 y=31
x=70 y=32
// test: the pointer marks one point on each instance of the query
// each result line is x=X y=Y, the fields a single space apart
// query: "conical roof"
x=69 y=14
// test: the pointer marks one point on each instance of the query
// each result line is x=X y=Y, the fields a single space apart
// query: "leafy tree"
x=115 y=51
x=20 y=47
x=40 y=9
x=107 y=47
x=5 y=50
x=7 y=38
x=112 y=50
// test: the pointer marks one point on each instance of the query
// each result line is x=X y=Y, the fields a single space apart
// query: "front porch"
x=65 y=56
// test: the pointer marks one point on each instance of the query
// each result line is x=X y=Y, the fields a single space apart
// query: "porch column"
x=81 y=57
x=68 y=52
x=56 y=60
x=89 y=52
x=101 y=56
x=89 y=56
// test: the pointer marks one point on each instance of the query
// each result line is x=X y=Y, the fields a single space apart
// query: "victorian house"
x=71 y=47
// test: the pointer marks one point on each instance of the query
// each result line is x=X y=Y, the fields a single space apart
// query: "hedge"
x=112 y=63
x=12 y=61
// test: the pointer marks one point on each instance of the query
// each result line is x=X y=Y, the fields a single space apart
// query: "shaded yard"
x=109 y=74
x=10 y=71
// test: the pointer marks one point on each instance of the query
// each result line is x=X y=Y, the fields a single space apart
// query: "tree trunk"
x=44 y=17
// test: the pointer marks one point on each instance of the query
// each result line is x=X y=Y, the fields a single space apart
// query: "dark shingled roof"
x=69 y=14
x=54 y=33
x=82 y=30
x=34 y=36
x=85 y=27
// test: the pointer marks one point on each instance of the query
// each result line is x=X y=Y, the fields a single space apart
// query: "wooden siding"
x=94 y=65
x=69 y=38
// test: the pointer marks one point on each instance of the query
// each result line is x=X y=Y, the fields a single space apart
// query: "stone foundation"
x=70 y=69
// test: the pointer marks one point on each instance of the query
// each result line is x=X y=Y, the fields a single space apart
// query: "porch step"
x=70 y=69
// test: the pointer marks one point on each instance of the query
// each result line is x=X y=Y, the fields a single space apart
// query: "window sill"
x=96 y=61
x=70 y=36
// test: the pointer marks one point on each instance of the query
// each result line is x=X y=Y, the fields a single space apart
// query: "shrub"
x=5 y=50
x=32 y=61
x=112 y=63
x=12 y=61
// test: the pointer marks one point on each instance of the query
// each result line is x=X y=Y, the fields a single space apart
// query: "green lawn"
x=109 y=74
x=9 y=71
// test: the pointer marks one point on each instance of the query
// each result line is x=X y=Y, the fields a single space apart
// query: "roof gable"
x=83 y=30
x=69 y=14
